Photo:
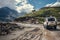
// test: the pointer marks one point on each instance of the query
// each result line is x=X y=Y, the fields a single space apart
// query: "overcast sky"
x=28 y=5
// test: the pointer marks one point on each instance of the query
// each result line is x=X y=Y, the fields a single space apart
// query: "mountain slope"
x=40 y=14
x=46 y=11
x=7 y=14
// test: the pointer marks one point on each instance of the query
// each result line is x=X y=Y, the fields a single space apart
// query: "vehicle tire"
x=55 y=27
x=46 y=27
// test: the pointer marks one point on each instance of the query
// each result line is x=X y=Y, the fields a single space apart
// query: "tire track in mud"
x=39 y=33
x=35 y=34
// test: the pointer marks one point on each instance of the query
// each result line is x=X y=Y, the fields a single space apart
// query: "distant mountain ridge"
x=7 y=14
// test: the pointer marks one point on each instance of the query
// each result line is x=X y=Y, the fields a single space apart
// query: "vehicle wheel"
x=55 y=27
x=46 y=27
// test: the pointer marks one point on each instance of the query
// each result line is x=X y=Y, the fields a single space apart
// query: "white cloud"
x=26 y=7
x=23 y=5
x=8 y=3
x=48 y=5
x=56 y=4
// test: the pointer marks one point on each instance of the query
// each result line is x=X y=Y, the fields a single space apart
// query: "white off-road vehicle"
x=50 y=22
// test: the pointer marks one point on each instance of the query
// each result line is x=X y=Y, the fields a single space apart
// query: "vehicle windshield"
x=51 y=19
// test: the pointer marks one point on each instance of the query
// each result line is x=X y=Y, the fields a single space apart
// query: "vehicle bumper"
x=52 y=25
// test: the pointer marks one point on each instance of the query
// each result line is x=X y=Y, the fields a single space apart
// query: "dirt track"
x=36 y=32
x=42 y=34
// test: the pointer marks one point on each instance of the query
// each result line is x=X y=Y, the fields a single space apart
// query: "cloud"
x=26 y=7
x=48 y=5
x=56 y=4
x=8 y=3
x=19 y=5
x=23 y=5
